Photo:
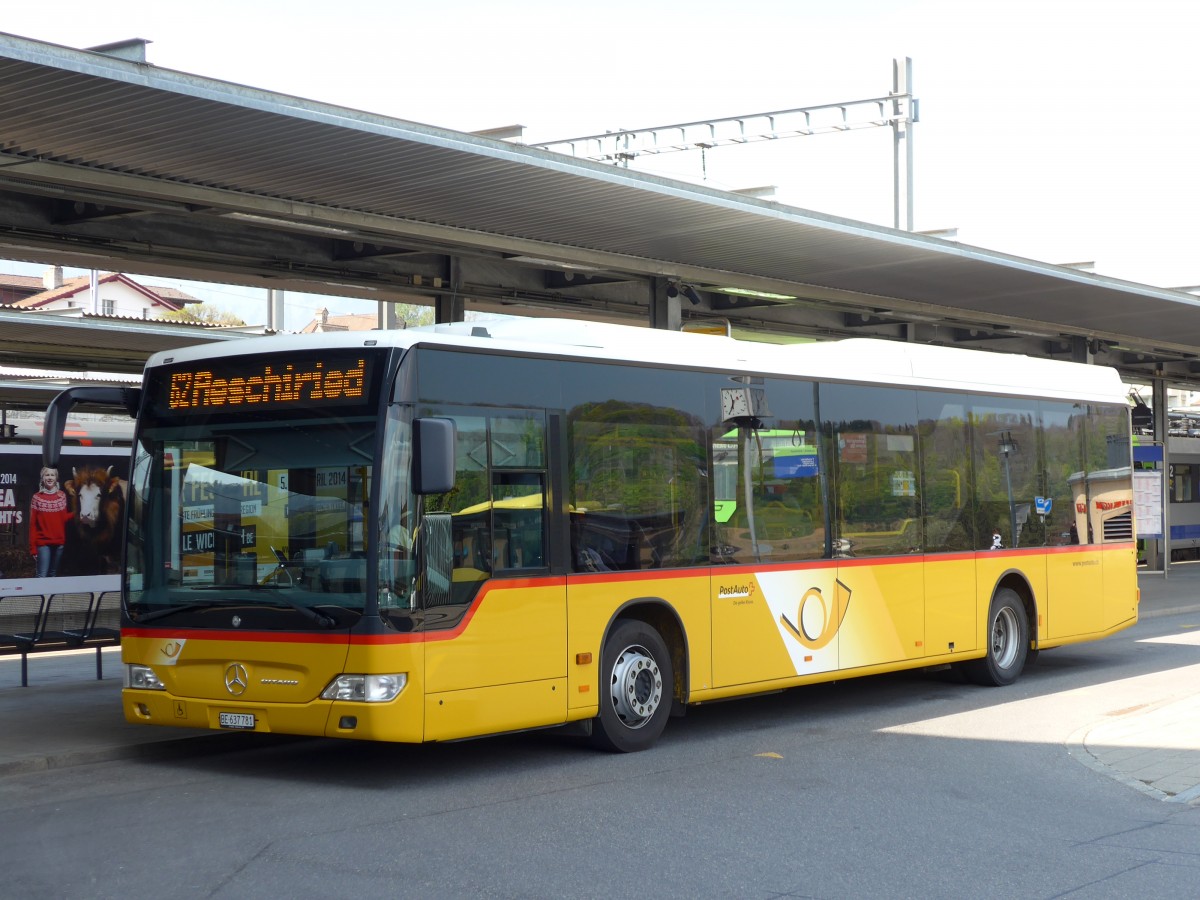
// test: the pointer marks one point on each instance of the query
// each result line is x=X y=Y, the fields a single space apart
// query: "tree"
x=204 y=314
x=412 y=315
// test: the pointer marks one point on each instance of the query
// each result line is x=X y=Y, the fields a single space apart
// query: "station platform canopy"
x=116 y=164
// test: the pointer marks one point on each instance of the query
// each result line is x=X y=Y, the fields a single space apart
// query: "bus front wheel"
x=636 y=682
x=1007 y=642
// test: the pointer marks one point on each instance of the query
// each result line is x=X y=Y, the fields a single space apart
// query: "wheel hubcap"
x=1004 y=638
x=636 y=686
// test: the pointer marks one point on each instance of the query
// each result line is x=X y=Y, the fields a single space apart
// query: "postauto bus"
x=465 y=530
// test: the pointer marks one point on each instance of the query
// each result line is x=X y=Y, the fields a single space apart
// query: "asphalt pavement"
x=67 y=717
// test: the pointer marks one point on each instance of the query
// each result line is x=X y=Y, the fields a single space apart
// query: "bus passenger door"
x=495 y=633
x=776 y=601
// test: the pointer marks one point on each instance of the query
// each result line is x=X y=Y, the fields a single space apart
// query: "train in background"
x=1183 y=489
x=80 y=432
x=1183 y=478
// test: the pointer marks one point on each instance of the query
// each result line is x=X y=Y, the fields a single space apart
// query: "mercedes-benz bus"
x=463 y=530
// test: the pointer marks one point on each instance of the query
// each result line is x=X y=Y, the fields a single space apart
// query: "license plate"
x=236 y=720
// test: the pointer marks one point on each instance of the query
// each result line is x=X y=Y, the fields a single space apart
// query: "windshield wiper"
x=172 y=610
x=314 y=615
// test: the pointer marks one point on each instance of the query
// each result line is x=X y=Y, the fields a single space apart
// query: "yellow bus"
x=471 y=529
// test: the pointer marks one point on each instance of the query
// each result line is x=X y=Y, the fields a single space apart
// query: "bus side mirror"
x=128 y=399
x=434 y=442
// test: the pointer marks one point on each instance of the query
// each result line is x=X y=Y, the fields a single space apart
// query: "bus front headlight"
x=143 y=678
x=365 y=688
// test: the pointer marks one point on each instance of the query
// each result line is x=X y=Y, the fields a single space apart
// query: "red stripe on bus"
x=308 y=637
x=508 y=584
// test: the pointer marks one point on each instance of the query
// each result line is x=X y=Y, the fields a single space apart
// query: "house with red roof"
x=323 y=321
x=18 y=287
x=115 y=295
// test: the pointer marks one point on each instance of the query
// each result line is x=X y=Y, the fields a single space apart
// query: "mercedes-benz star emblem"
x=236 y=679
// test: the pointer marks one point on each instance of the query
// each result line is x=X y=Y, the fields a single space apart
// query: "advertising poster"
x=61 y=532
x=852 y=448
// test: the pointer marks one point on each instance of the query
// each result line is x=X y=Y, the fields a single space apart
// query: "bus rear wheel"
x=636 y=682
x=1007 y=642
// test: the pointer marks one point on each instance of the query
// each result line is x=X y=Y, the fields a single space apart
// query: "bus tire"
x=1007 y=642
x=636 y=682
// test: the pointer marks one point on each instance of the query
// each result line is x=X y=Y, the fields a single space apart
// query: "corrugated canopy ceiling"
x=106 y=159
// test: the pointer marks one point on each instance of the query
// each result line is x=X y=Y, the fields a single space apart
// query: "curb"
x=1077 y=749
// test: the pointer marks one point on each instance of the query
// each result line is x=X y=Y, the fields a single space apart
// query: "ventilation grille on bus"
x=1119 y=528
x=439 y=560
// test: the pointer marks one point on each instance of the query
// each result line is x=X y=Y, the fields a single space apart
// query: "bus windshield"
x=264 y=515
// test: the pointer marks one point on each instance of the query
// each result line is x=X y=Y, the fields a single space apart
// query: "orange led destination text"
x=191 y=390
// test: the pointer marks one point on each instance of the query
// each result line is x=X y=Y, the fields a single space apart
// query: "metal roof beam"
x=359 y=250
x=67 y=212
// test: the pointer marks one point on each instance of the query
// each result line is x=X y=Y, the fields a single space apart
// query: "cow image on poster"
x=97 y=498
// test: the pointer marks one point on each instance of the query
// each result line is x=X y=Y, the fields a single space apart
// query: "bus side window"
x=947 y=497
x=518 y=520
x=876 y=490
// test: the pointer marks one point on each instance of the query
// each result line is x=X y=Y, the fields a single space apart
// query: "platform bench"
x=39 y=623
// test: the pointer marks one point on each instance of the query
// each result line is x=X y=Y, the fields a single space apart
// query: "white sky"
x=1058 y=130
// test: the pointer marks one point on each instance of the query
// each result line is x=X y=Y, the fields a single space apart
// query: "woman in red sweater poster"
x=48 y=518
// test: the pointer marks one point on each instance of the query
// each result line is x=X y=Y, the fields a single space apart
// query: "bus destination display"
x=250 y=383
